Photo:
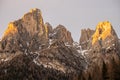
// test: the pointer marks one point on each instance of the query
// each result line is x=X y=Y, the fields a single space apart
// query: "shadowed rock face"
x=85 y=39
x=62 y=34
x=32 y=50
x=25 y=32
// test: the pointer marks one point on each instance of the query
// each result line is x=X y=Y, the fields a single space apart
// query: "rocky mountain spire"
x=85 y=39
x=26 y=32
x=104 y=35
x=49 y=28
x=62 y=34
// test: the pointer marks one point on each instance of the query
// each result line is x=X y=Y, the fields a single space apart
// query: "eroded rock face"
x=104 y=35
x=85 y=39
x=25 y=33
x=49 y=28
x=62 y=34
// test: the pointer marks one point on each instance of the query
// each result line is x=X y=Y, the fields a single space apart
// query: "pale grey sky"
x=73 y=14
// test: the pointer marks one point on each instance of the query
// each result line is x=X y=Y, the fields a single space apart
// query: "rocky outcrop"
x=104 y=35
x=85 y=39
x=25 y=33
x=62 y=34
x=49 y=28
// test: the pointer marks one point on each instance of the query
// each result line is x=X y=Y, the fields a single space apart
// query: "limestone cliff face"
x=106 y=34
x=62 y=34
x=31 y=22
x=30 y=30
x=85 y=39
x=26 y=32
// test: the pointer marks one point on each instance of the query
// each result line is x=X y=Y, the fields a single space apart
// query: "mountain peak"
x=29 y=29
x=85 y=38
x=35 y=10
x=103 y=30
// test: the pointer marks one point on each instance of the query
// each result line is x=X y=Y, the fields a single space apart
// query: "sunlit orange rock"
x=10 y=30
x=103 y=30
x=26 y=32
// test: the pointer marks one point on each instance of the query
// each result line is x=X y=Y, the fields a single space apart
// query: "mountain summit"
x=33 y=50
x=106 y=33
